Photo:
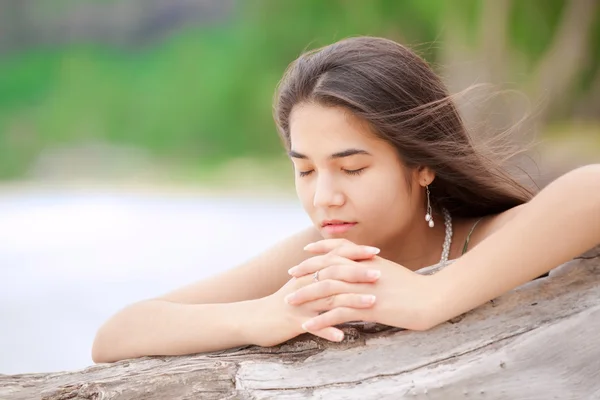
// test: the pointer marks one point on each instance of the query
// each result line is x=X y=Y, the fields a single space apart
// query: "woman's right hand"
x=282 y=321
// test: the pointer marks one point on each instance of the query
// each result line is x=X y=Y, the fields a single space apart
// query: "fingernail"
x=309 y=246
x=367 y=299
x=373 y=274
x=371 y=249
x=289 y=298
x=308 y=325
x=339 y=336
x=292 y=270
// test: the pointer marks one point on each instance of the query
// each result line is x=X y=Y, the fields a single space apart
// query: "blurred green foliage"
x=204 y=94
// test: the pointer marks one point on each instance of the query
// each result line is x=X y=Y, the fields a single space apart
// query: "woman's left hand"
x=402 y=297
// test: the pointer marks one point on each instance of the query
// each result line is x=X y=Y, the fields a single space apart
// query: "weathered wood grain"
x=539 y=341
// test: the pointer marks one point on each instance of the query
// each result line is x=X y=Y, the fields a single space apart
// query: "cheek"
x=304 y=193
x=383 y=199
x=377 y=189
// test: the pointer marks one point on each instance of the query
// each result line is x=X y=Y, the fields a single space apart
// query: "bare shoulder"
x=256 y=278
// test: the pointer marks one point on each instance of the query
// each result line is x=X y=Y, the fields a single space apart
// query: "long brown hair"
x=405 y=103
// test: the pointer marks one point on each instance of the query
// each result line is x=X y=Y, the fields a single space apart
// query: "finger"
x=319 y=290
x=351 y=273
x=343 y=245
x=350 y=300
x=355 y=252
x=330 y=333
x=334 y=317
x=326 y=245
x=317 y=263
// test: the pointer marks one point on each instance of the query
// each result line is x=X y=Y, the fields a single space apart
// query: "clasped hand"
x=354 y=284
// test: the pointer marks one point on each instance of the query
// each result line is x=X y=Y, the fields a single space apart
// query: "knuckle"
x=327 y=285
x=312 y=262
x=344 y=273
x=347 y=246
x=342 y=250
x=334 y=271
x=336 y=250
x=330 y=258
x=351 y=275
x=330 y=301
x=332 y=286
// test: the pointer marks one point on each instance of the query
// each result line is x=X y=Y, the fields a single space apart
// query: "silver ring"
x=316 y=276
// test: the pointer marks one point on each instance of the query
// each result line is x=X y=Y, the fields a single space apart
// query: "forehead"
x=314 y=127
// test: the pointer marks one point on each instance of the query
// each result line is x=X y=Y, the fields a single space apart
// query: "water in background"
x=68 y=261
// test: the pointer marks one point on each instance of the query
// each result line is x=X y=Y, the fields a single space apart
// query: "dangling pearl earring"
x=429 y=215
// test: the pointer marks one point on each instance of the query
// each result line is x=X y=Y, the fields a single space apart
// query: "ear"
x=424 y=175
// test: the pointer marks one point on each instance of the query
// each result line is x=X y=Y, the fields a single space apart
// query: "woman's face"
x=351 y=183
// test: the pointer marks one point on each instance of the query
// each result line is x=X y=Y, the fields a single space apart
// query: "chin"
x=350 y=235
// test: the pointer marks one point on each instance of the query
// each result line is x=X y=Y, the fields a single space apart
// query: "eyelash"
x=348 y=171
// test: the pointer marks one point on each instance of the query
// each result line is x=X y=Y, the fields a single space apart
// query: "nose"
x=327 y=194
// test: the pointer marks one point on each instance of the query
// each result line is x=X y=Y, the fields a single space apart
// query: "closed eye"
x=347 y=171
x=304 y=173
x=354 y=171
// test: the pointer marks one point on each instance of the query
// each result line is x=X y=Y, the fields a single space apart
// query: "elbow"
x=100 y=349
x=106 y=349
x=111 y=341
x=118 y=338
x=98 y=357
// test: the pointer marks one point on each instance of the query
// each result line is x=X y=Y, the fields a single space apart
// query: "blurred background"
x=138 y=151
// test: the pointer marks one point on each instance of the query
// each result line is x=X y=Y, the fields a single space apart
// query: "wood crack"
x=544 y=324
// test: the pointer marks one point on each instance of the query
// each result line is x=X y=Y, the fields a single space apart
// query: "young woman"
x=412 y=225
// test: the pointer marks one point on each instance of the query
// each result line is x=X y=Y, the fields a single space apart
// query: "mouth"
x=335 y=222
x=337 y=226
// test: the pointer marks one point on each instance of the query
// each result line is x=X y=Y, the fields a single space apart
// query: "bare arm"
x=216 y=313
x=560 y=223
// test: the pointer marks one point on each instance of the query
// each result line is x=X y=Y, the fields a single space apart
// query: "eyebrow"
x=340 y=154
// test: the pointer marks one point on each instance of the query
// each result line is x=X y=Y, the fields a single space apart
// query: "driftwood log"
x=539 y=341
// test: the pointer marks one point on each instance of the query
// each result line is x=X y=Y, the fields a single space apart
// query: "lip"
x=337 y=226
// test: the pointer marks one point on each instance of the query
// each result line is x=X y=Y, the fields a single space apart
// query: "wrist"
x=437 y=303
x=244 y=320
x=415 y=312
x=254 y=321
